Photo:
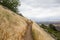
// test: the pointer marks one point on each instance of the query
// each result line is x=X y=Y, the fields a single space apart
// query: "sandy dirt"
x=28 y=34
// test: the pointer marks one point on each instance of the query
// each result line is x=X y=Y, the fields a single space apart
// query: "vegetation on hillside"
x=52 y=30
x=10 y=4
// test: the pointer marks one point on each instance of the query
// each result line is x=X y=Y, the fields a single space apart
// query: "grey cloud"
x=42 y=3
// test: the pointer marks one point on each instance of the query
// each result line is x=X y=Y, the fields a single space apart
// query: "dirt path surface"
x=28 y=34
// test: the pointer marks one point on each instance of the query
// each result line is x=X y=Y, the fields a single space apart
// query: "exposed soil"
x=28 y=34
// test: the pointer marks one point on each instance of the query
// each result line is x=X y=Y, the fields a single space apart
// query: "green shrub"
x=43 y=26
x=52 y=30
x=10 y=4
x=52 y=27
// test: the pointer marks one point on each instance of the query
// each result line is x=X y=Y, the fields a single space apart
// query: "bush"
x=52 y=26
x=43 y=26
x=10 y=4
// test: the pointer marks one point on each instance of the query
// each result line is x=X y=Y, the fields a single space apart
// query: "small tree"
x=52 y=26
x=10 y=4
x=43 y=26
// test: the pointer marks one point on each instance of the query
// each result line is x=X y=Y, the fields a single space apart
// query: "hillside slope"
x=15 y=27
x=39 y=33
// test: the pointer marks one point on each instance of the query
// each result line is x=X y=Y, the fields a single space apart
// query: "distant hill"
x=49 y=22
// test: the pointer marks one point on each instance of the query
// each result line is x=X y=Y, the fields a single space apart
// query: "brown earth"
x=28 y=34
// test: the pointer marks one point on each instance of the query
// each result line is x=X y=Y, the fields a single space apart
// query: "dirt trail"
x=28 y=34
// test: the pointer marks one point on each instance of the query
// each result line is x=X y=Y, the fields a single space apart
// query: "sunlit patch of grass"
x=35 y=34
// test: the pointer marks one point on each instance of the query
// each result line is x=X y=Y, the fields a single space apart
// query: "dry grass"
x=13 y=27
x=40 y=34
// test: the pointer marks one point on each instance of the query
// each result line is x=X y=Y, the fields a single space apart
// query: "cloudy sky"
x=42 y=10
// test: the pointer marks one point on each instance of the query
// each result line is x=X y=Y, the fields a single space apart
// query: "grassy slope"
x=40 y=34
x=13 y=27
x=54 y=33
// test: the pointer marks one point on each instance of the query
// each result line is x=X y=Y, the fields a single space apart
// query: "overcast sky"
x=43 y=10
